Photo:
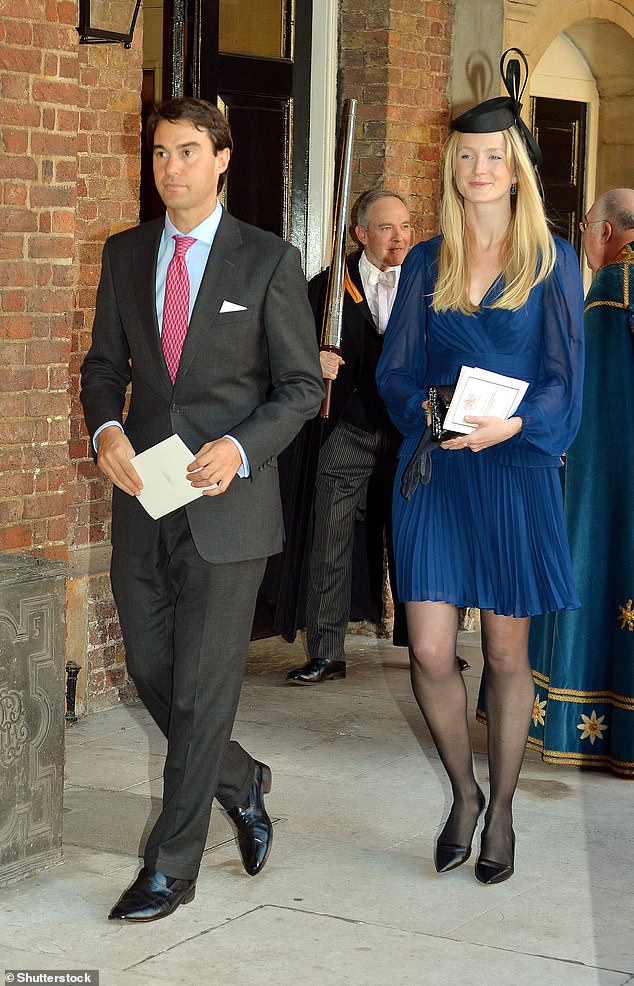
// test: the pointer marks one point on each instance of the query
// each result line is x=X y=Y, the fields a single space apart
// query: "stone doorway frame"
x=602 y=31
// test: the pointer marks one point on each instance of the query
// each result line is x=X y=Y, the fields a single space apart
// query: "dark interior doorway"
x=252 y=59
x=560 y=128
x=150 y=204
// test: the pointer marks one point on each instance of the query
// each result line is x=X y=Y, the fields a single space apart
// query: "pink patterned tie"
x=176 y=305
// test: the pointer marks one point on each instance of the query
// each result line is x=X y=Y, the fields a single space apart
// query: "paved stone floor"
x=349 y=895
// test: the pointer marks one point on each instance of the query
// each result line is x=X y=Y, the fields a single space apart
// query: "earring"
x=513 y=188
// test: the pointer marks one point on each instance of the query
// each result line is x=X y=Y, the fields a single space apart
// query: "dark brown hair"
x=202 y=115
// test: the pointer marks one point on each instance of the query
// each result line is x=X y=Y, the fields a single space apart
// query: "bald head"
x=618 y=208
x=610 y=226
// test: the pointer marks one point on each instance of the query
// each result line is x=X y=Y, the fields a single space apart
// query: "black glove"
x=418 y=469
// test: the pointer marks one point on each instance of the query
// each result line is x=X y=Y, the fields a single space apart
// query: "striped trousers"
x=347 y=460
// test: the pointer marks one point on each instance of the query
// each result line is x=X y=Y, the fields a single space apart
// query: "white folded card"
x=163 y=472
x=481 y=392
x=230 y=306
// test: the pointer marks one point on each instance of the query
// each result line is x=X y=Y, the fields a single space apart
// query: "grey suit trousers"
x=186 y=625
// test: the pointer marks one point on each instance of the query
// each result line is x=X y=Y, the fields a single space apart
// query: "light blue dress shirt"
x=196 y=259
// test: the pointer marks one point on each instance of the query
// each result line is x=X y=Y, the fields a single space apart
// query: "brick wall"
x=396 y=60
x=108 y=168
x=38 y=121
x=108 y=143
x=69 y=166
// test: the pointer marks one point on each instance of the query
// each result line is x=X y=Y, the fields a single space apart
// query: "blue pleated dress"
x=488 y=530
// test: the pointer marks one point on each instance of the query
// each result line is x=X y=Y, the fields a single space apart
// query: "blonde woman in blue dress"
x=482 y=522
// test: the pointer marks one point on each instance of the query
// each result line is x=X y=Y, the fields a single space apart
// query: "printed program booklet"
x=482 y=392
x=163 y=472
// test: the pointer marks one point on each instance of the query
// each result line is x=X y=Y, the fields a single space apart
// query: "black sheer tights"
x=509 y=696
x=441 y=695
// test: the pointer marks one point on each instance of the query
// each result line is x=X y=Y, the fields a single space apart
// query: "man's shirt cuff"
x=108 y=424
x=245 y=469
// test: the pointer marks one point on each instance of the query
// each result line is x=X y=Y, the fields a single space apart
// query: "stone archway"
x=602 y=30
x=533 y=24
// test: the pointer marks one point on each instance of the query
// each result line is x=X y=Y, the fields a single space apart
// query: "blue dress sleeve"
x=551 y=411
x=401 y=370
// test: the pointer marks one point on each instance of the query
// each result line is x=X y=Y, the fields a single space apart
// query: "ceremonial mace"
x=333 y=312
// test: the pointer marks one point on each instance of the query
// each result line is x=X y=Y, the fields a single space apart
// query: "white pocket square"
x=230 y=306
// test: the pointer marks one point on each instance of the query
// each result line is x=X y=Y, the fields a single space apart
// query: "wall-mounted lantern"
x=104 y=21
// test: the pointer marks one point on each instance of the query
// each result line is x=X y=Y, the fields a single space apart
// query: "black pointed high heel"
x=488 y=871
x=448 y=855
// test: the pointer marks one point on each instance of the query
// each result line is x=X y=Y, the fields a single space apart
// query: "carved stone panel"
x=32 y=635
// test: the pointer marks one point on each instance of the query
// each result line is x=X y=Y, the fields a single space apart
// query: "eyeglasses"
x=583 y=225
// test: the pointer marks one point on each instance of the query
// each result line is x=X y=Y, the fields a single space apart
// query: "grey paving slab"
x=334 y=706
x=112 y=769
x=383 y=806
x=293 y=946
x=555 y=847
x=151 y=788
x=62 y=917
x=114 y=821
x=107 y=723
x=335 y=756
x=145 y=737
x=100 y=862
x=573 y=792
x=376 y=702
x=361 y=884
x=570 y=921
x=601 y=851
x=119 y=822
x=23 y=959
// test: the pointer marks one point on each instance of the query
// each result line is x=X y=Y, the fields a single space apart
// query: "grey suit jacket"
x=253 y=374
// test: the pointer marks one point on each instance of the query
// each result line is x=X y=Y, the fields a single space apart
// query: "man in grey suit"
x=208 y=319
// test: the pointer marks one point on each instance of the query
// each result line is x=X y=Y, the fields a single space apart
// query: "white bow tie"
x=385 y=284
x=387 y=277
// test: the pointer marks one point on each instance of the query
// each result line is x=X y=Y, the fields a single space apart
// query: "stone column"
x=32 y=634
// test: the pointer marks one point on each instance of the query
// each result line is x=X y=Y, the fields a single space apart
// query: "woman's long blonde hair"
x=529 y=253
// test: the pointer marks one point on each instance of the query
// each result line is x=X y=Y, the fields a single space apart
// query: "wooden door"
x=560 y=128
x=252 y=59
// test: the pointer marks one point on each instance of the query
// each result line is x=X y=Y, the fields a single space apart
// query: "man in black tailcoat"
x=358 y=443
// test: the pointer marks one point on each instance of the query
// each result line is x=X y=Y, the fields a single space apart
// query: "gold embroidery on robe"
x=626 y=616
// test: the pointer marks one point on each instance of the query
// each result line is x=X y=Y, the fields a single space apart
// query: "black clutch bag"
x=438 y=405
x=418 y=469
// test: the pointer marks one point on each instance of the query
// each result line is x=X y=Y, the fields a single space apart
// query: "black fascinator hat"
x=503 y=112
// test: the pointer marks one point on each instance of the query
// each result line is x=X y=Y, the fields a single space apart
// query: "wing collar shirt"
x=380 y=288
x=196 y=259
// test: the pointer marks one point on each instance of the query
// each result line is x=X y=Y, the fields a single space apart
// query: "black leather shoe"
x=317 y=671
x=449 y=855
x=488 y=871
x=462 y=664
x=252 y=824
x=153 y=895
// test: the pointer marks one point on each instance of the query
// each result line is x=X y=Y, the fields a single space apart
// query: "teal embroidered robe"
x=583 y=661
